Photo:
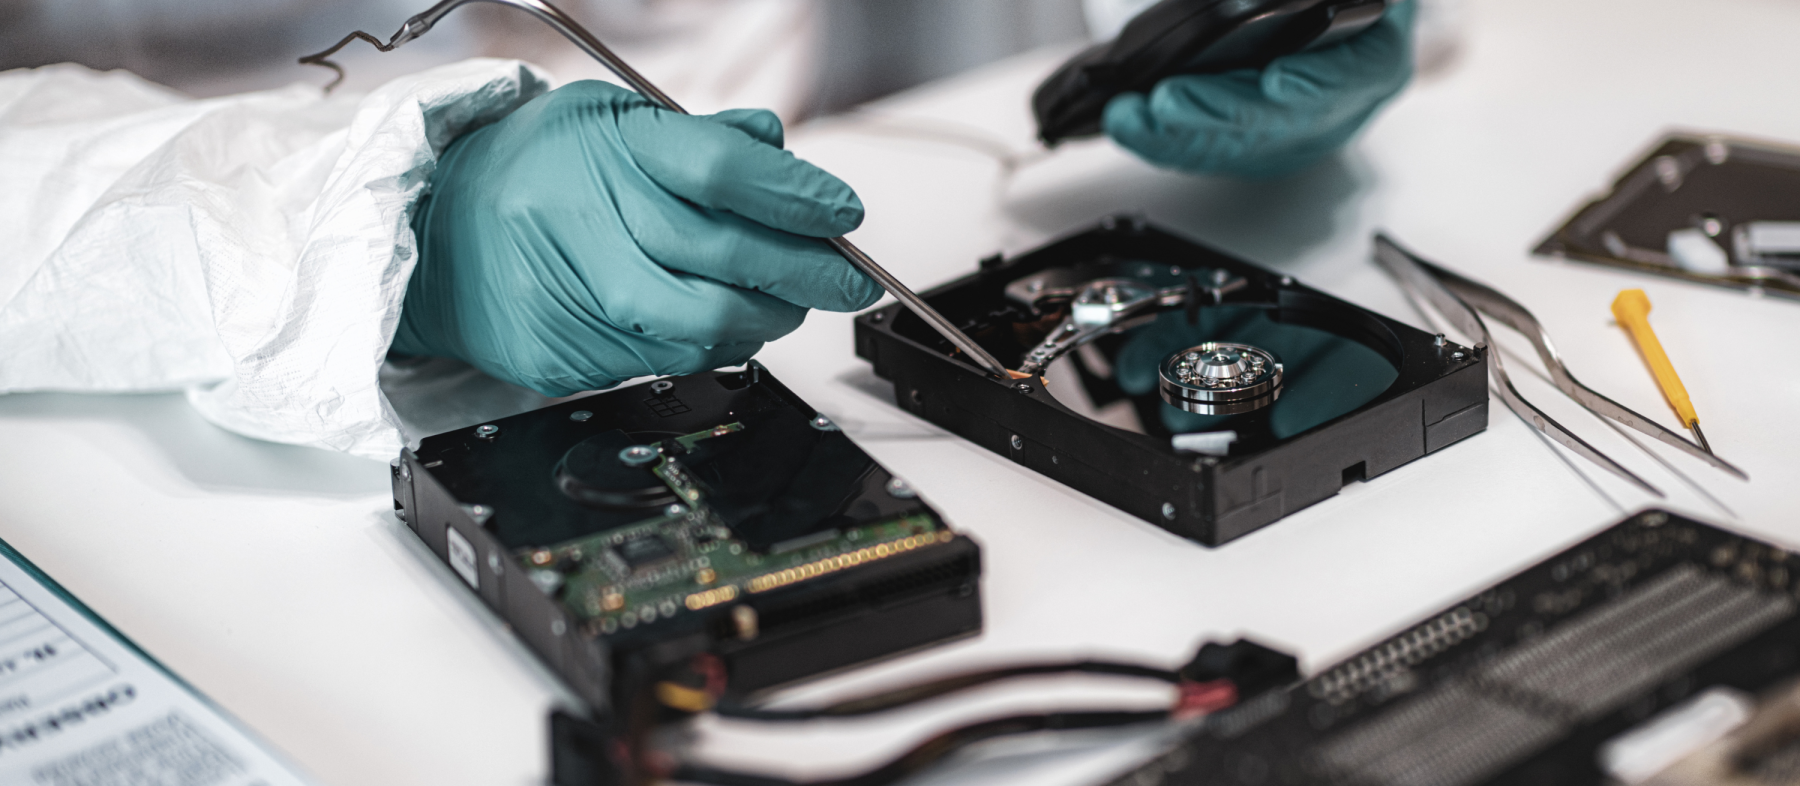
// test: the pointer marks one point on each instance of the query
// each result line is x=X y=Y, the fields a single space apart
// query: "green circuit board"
x=686 y=559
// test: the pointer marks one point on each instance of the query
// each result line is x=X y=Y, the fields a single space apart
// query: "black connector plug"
x=1251 y=667
x=581 y=753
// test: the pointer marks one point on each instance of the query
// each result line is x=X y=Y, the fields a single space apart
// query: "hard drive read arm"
x=1103 y=306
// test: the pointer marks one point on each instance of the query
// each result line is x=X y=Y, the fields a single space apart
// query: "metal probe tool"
x=1632 y=309
x=1463 y=301
x=551 y=15
x=1430 y=284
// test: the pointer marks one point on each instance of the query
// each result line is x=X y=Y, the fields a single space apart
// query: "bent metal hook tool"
x=551 y=15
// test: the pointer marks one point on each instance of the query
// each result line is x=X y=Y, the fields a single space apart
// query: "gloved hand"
x=591 y=237
x=1259 y=124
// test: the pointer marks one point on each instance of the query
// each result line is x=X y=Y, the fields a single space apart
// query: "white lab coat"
x=252 y=250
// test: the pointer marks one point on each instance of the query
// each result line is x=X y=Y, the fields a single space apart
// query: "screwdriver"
x=1632 y=309
x=553 y=16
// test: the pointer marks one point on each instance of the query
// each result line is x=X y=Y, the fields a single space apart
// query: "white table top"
x=277 y=580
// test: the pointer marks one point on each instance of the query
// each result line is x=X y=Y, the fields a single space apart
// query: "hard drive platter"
x=1326 y=376
x=1194 y=390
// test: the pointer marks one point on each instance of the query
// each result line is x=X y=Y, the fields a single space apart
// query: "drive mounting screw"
x=898 y=489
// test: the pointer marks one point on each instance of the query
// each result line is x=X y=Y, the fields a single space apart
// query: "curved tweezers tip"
x=1400 y=261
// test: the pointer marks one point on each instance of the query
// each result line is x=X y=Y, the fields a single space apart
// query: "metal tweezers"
x=1462 y=301
x=563 y=23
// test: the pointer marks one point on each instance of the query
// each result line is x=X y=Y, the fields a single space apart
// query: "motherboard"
x=1660 y=651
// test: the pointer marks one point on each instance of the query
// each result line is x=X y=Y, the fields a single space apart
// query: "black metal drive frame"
x=462 y=481
x=1438 y=398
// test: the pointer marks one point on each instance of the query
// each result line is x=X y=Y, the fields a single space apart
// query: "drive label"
x=462 y=557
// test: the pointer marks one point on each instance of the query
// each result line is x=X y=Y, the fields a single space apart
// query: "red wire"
x=1201 y=698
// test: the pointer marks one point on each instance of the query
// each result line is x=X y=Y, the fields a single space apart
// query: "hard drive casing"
x=458 y=490
x=1436 y=400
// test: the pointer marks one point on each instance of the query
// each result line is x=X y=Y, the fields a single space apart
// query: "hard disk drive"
x=1706 y=208
x=1191 y=389
x=714 y=514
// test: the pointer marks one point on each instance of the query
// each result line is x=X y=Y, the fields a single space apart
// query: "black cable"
x=971 y=138
x=932 y=750
x=882 y=702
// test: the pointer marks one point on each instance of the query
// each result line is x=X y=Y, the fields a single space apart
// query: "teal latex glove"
x=1270 y=122
x=591 y=237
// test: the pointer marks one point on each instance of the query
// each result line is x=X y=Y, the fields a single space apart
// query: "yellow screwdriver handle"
x=1632 y=309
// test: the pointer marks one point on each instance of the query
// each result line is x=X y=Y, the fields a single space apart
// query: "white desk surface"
x=277 y=580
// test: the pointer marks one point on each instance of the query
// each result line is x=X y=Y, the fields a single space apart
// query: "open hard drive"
x=716 y=514
x=1196 y=391
x=1710 y=209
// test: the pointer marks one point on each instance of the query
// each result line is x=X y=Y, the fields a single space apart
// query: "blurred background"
x=799 y=57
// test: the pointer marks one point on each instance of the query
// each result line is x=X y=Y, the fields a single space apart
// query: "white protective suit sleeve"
x=252 y=250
